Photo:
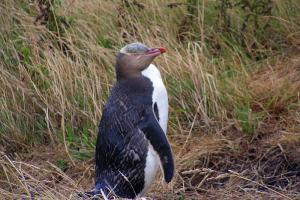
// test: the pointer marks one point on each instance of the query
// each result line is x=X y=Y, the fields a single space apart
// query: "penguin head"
x=134 y=58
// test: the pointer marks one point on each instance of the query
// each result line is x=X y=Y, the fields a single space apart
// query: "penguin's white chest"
x=160 y=98
x=159 y=95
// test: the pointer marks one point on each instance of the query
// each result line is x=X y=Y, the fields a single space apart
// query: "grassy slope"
x=234 y=94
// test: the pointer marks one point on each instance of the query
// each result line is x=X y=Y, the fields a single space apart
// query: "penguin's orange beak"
x=156 y=51
x=162 y=49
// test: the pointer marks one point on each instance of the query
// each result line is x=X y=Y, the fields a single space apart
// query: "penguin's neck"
x=153 y=74
x=122 y=76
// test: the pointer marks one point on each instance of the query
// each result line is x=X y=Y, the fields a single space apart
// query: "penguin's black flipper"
x=154 y=133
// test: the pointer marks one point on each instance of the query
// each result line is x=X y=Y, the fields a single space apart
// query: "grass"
x=231 y=70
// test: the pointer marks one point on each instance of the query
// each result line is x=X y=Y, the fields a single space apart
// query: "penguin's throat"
x=121 y=75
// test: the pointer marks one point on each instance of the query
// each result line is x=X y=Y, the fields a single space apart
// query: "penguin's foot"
x=94 y=195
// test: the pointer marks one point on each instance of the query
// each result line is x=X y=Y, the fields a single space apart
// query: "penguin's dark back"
x=121 y=147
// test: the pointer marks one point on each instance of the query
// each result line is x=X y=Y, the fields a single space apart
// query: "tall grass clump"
x=51 y=82
x=57 y=60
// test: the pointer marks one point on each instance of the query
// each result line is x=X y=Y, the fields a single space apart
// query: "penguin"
x=132 y=142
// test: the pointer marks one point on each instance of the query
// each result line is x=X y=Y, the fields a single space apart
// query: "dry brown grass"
x=234 y=120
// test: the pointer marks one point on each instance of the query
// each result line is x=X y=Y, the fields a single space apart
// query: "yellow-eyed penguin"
x=132 y=140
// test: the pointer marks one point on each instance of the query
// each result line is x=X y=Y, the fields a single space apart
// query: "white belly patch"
x=160 y=97
x=152 y=164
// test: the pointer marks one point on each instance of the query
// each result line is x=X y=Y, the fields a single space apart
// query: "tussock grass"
x=232 y=73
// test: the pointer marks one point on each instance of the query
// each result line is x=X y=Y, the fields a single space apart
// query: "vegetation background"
x=232 y=71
